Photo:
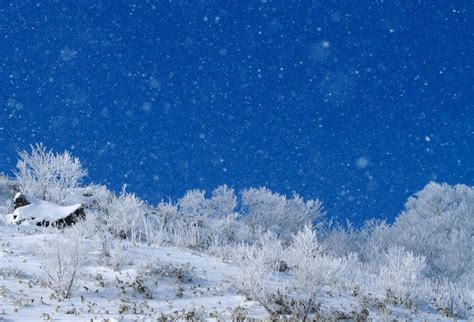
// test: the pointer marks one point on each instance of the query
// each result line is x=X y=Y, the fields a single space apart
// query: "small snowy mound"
x=43 y=213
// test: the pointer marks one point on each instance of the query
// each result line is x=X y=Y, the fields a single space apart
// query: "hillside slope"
x=154 y=283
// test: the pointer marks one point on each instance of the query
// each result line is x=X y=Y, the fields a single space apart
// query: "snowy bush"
x=256 y=278
x=221 y=225
x=118 y=255
x=161 y=220
x=375 y=238
x=116 y=217
x=170 y=225
x=166 y=225
x=47 y=175
x=358 y=278
x=198 y=222
x=339 y=240
x=310 y=270
x=273 y=212
x=62 y=261
x=402 y=276
x=452 y=299
x=226 y=230
x=167 y=212
x=195 y=204
x=287 y=281
x=102 y=198
x=96 y=225
x=126 y=216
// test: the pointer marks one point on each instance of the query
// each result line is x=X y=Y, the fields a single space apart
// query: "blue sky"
x=359 y=103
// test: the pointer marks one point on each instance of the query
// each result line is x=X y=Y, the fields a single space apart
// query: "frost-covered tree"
x=368 y=242
x=274 y=212
x=222 y=202
x=438 y=223
x=47 y=175
x=263 y=208
x=193 y=204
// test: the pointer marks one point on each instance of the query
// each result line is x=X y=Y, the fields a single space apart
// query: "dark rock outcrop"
x=67 y=221
x=20 y=200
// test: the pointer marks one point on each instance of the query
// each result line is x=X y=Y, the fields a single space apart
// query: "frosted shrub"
x=273 y=250
x=186 y=234
x=307 y=267
x=198 y=222
x=300 y=213
x=161 y=221
x=190 y=229
x=62 y=261
x=47 y=175
x=118 y=255
x=339 y=240
x=91 y=227
x=357 y=278
x=225 y=231
x=368 y=242
x=273 y=212
x=263 y=208
x=402 y=275
x=452 y=299
x=125 y=216
x=221 y=223
x=375 y=238
x=256 y=278
x=167 y=225
x=111 y=217
x=310 y=270
x=102 y=198
x=221 y=204
x=167 y=213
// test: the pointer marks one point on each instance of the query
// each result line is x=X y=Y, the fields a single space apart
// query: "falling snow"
x=304 y=97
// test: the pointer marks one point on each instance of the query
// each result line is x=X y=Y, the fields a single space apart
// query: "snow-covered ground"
x=154 y=283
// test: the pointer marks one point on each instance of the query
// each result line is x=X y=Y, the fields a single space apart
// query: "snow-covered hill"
x=254 y=254
x=152 y=283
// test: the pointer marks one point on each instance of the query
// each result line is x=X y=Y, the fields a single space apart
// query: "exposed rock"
x=20 y=200
x=67 y=221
